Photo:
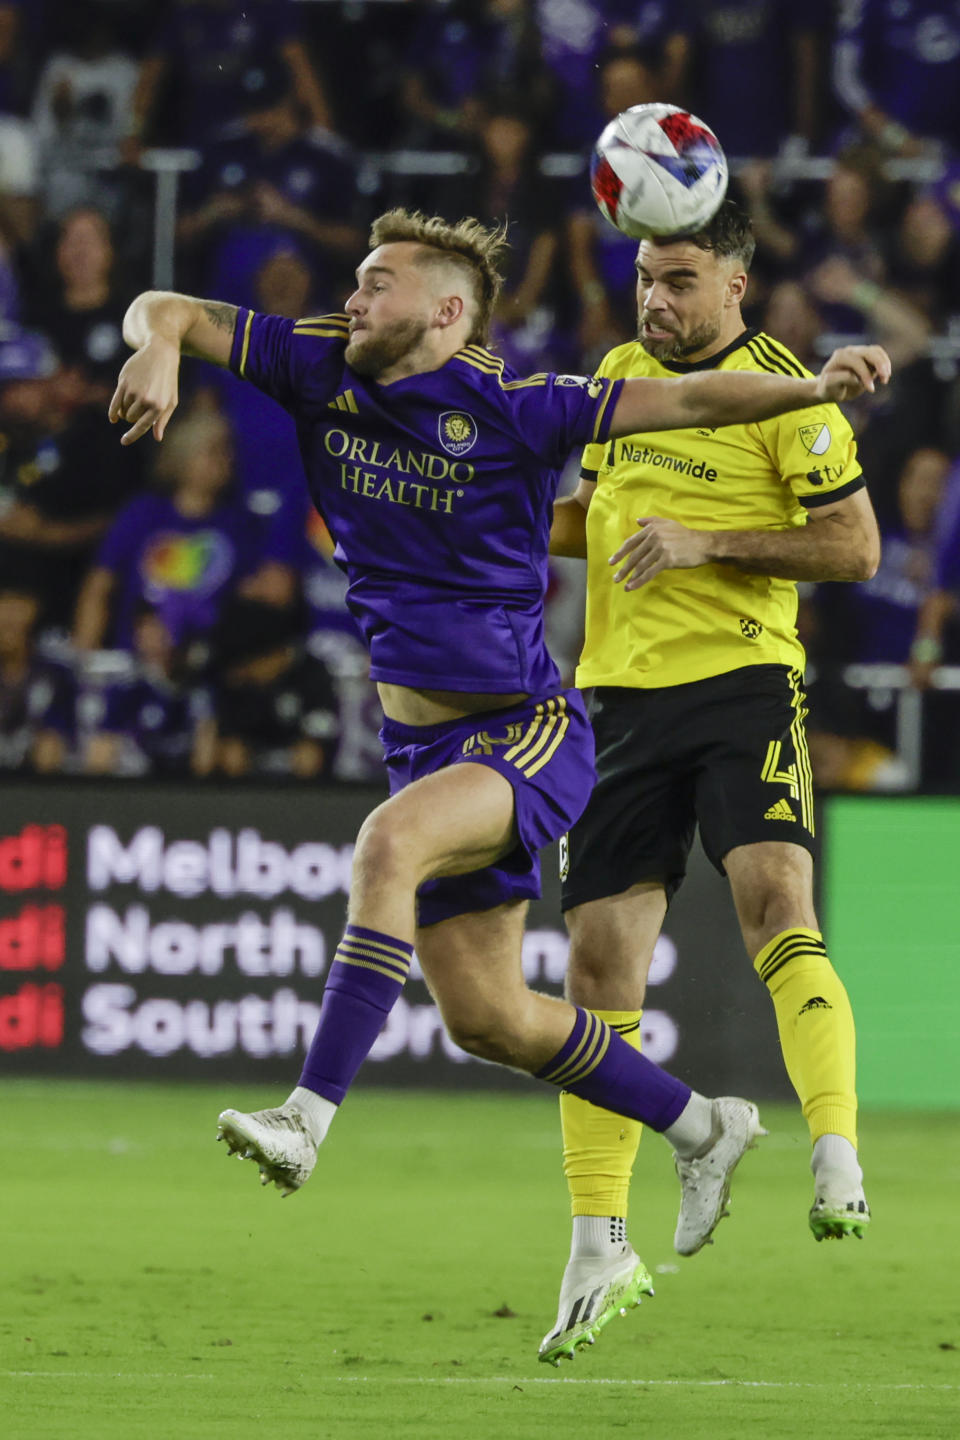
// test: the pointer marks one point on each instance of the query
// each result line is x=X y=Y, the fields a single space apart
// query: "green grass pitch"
x=152 y=1289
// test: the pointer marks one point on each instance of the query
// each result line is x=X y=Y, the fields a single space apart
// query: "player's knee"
x=486 y=1030
x=773 y=911
x=597 y=984
x=383 y=852
x=605 y=974
x=477 y=1034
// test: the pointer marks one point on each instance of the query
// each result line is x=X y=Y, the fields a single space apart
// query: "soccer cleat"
x=839 y=1209
x=592 y=1292
x=705 y=1181
x=276 y=1140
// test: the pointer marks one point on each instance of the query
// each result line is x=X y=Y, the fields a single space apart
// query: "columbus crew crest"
x=457 y=432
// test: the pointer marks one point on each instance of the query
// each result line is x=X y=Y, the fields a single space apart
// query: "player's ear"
x=736 y=287
x=449 y=310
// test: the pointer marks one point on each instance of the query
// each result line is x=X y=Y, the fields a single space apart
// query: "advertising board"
x=185 y=931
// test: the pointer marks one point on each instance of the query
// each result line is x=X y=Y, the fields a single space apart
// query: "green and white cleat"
x=592 y=1293
x=705 y=1181
x=839 y=1209
x=276 y=1140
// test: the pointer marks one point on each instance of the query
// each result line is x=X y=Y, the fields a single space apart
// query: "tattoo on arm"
x=223 y=316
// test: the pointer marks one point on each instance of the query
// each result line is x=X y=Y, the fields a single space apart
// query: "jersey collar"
x=684 y=367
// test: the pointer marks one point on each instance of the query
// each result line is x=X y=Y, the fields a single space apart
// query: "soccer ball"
x=658 y=170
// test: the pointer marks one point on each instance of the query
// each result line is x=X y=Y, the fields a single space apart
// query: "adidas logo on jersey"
x=816 y=1002
x=780 y=811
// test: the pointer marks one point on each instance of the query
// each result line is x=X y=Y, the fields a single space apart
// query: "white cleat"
x=593 y=1291
x=276 y=1140
x=705 y=1181
x=839 y=1208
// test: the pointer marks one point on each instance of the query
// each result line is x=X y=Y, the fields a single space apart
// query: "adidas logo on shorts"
x=816 y=1002
x=780 y=811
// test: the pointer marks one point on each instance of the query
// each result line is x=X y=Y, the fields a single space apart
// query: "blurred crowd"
x=175 y=610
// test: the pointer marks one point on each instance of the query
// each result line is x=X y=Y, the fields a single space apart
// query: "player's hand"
x=660 y=545
x=147 y=390
x=852 y=370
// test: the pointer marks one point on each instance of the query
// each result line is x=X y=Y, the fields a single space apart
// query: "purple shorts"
x=544 y=747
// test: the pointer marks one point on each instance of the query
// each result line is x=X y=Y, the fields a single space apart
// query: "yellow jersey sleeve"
x=815 y=453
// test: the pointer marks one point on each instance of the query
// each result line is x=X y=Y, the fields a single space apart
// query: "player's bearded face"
x=373 y=351
x=683 y=343
x=680 y=293
x=389 y=310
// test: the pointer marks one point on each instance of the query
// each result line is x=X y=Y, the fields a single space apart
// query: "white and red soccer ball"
x=657 y=170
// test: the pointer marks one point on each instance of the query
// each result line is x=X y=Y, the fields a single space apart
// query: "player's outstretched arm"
x=738 y=397
x=159 y=326
x=568 y=532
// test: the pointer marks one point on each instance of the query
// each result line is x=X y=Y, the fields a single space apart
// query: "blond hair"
x=475 y=250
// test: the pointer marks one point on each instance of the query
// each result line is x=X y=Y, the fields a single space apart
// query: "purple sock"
x=365 y=979
x=598 y=1065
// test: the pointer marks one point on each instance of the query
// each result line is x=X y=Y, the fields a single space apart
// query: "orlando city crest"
x=457 y=432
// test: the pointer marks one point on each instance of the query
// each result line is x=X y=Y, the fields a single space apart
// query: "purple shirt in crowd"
x=44 y=698
x=182 y=566
x=745 y=69
x=904 y=56
x=223 y=56
x=947 y=536
x=438 y=490
x=886 y=606
x=160 y=719
x=316 y=175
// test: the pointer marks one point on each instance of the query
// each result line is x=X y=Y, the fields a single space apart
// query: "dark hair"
x=729 y=235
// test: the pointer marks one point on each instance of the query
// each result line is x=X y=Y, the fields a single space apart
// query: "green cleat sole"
x=838 y=1226
x=625 y=1298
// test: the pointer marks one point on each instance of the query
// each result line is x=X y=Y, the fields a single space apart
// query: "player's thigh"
x=451 y=822
x=754 y=783
x=639 y=823
x=772 y=888
x=611 y=946
x=472 y=966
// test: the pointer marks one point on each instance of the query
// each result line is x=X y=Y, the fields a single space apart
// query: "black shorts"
x=728 y=753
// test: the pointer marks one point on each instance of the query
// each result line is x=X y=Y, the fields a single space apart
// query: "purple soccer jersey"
x=438 y=490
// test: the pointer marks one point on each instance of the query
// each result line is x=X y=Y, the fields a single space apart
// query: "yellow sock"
x=817 y=1035
x=599 y=1148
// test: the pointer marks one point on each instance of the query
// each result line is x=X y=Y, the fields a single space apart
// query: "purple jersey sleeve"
x=290 y=360
x=555 y=414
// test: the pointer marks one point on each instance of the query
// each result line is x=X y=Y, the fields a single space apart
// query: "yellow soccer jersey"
x=690 y=624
